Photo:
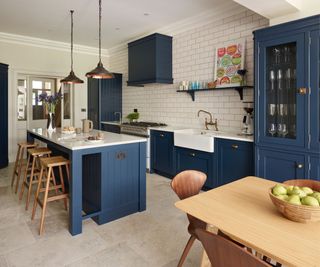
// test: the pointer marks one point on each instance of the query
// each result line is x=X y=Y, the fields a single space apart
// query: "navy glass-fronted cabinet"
x=287 y=100
x=3 y=115
x=104 y=99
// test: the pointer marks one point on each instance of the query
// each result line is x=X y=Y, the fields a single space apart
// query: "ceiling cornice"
x=204 y=18
x=49 y=44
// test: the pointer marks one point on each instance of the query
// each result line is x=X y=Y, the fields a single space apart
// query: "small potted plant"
x=132 y=117
x=50 y=102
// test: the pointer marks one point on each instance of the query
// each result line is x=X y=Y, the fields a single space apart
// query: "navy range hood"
x=150 y=60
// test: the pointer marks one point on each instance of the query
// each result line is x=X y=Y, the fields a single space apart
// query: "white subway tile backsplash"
x=193 y=59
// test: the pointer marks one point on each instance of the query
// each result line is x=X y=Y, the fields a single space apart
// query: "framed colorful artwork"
x=229 y=59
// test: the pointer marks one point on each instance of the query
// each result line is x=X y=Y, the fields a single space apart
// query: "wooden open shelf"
x=239 y=89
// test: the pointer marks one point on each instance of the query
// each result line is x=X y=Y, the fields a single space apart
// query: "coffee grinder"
x=247 y=128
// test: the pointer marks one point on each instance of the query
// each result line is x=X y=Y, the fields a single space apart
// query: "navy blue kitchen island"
x=108 y=178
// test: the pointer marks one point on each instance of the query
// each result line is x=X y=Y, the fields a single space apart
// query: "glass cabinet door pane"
x=281 y=84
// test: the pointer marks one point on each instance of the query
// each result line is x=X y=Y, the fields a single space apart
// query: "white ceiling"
x=50 y=19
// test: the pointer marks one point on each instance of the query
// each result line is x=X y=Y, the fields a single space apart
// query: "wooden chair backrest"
x=188 y=183
x=224 y=253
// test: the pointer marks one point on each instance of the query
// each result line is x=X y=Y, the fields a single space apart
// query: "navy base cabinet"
x=162 y=153
x=104 y=99
x=280 y=165
x=3 y=115
x=234 y=160
x=189 y=159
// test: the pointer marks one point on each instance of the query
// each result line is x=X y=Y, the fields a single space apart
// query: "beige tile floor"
x=155 y=237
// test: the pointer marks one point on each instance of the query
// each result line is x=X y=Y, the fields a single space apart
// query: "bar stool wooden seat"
x=19 y=163
x=47 y=167
x=32 y=170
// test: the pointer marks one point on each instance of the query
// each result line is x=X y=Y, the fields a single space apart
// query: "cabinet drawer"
x=189 y=159
x=235 y=160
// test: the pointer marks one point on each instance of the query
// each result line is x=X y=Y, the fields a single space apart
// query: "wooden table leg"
x=205 y=262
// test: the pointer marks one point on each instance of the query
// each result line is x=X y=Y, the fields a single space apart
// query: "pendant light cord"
x=71 y=11
x=99 y=30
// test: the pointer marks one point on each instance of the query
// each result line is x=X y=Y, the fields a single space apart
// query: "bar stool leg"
x=63 y=187
x=31 y=182
x=45 y=200
x=35 y=203
x=19 y=172
x=15 y=166
x=25 y=176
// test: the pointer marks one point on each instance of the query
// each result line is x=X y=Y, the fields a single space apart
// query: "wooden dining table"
x=244 y=211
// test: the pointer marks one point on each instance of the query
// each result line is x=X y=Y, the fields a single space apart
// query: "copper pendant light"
x=100 y=72
x=71 y=78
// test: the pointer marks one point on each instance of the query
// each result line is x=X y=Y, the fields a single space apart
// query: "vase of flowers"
x=50 y=102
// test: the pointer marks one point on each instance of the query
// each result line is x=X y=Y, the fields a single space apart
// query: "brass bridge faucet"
x=206 y=123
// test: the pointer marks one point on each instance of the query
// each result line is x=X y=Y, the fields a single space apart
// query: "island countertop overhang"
x=78 y=141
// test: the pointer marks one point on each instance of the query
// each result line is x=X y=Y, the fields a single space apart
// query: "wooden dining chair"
x=187 y=184
x=224 y=253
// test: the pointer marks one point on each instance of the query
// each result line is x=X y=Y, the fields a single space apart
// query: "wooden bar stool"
x=32 y=170
x=47 y=166
x=19 y=162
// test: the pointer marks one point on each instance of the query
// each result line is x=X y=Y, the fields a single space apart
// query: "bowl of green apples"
x=298 y=200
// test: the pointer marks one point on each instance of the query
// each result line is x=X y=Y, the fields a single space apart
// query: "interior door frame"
x=14 y=74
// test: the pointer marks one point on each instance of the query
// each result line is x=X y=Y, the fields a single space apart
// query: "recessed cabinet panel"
x=188 y=159
x=280 y=166
x=162 y=153
x=235 y=160
x=315 y=168
x=315 y=91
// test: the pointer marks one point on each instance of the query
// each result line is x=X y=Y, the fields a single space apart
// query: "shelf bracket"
x=191 y=93
x=240 y=91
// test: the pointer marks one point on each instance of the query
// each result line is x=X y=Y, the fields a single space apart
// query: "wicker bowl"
x=298 y=213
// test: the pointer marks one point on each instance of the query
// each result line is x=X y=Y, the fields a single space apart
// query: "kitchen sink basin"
x=195 y=139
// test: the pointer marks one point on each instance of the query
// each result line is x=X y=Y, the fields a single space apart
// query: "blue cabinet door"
x=3 y=115
x=104 y=99
x=234 y=160
x=111 y=98
x=280 y=106
x=162 y=153
x=314 y=102
x=315 y=168
x=280 y=166
x=189 y=159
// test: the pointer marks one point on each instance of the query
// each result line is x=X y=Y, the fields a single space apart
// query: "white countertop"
x=219 y=134
x=79 y=141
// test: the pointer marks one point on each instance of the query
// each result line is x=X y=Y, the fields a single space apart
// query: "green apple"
x=316 y=195
x=290 y=189
x=279 y=190
x=283 y=197
x=310 y=201
x=294 y=199
x=307 y=190
x=299 y=192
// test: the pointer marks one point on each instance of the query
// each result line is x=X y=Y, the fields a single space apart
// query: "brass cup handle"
x=302 y=91
x=235 y=146
x=192 y=154
x=299 y=165
x=161 y=135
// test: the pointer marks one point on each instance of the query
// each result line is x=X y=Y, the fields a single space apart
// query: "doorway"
x=31 y=113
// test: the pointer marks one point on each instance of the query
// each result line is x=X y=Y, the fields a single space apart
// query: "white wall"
x=307 y=8
x=193 y=59
x=27 y=59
